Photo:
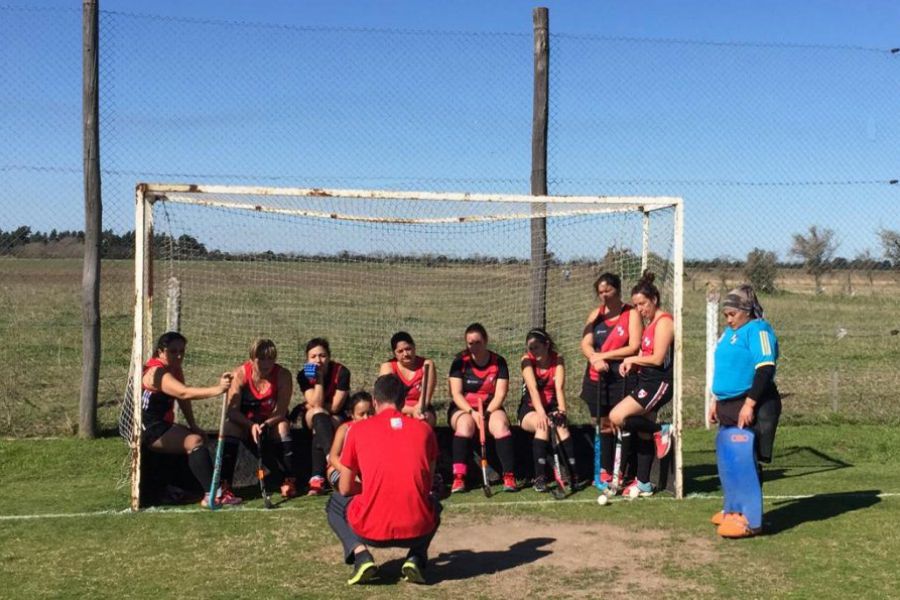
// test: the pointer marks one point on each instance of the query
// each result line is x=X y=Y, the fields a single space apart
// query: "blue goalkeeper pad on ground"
x=736 y=460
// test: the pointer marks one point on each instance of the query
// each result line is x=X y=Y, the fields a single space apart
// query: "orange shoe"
x=735 y=526
x=718 y=518
x=289 y=488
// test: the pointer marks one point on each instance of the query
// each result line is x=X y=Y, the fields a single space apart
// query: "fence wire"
x=763 y=142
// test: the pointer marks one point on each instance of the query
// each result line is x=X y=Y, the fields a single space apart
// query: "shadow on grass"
x=821 y=507
x=795 y=461
x=465 y=564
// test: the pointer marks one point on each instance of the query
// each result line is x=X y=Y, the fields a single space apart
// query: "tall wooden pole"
x=90 y=279
x=541 y=19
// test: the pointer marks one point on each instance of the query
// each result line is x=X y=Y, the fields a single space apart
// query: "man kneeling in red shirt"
x=394 y=455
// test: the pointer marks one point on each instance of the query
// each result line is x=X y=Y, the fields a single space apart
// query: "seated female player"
x=410 y=368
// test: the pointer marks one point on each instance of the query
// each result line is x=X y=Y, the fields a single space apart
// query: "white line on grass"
x=447 y=505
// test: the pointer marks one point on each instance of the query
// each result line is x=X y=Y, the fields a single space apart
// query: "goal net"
x=225 y=265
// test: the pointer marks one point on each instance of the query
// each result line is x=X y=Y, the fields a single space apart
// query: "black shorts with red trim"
x=602 y=395
x=652 y=394
x=453 y=409
x=153 y=431
x=525 y=407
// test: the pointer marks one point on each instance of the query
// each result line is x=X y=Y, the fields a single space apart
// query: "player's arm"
x=762 y=349
x=385 y=369
x=347 y=467
x=559 y=381
x=187 y=410
x=234 y=413
x=337 y=445
x=160 y=379
x=456 y=393
x=587 y=335
x=341 y=392
x=283 y=401
x=532 y=390
x=432 y=381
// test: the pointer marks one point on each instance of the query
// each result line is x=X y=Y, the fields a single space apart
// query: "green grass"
x=225 y=304
x=835 y=541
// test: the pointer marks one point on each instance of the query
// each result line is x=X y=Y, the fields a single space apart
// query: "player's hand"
x=745 y=418
x=225 y=380
x=419 y=415
x=559 y=418
x=625 y=367
x=713 y=415
x=311 y=370
x=256 y=431
x=599 y=365
x=476 y=416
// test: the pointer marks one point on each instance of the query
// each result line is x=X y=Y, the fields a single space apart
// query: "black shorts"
x=766 y=415
x=525 y=408
x=153 y=431
x=453 y=409
x=602 y=395
x=652 y=395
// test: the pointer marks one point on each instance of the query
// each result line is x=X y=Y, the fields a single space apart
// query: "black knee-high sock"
x=607 y=447
x=287 y=456
x=201 y=466
x=323 y=431
x=642 y=424
x=229 y=458
x=318 y=463
x=568 y=446
x=539 y=453
x=645 y=454
x=460 y=449
x=629 y=456
x=507 y=453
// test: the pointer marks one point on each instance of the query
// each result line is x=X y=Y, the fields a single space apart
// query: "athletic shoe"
x=289 y=488
x=540 y=484
x=316 y=486
x=720 y=517
x=412 y=571
x=637 y=489
x=735 y=525
x=605 y=477
x=663 y=439
x=459 y=483
x=363 y=571
x=509 y=483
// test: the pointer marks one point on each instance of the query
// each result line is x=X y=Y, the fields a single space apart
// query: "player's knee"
x=192 y=442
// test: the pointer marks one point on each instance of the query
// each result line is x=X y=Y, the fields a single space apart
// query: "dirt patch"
x=506 y=557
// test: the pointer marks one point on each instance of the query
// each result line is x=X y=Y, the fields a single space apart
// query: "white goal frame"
x=146 y=194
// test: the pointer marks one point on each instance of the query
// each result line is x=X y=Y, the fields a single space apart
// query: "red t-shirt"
x=393 y=455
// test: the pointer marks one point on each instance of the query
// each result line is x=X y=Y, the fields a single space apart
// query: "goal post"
x=357 y=265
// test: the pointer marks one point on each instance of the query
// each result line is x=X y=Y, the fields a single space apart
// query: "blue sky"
x=762 y=141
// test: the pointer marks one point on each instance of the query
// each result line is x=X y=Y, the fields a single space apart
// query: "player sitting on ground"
x=391 y=505
x=325 y=384
x=611 y=333
x=410 y=368
x=257 y=407
x=543 y=402
x=163 y=385
x=360 y=408
x=478 y=375
x=653 y=390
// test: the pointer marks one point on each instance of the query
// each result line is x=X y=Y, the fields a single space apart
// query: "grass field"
x=824 y=378
x=833 y=500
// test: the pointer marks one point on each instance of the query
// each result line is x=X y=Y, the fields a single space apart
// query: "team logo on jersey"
x=642 y=394
x=620 y=330
x=396 y=423
x=733 y=339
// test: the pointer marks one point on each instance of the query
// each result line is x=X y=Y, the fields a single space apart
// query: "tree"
x=761 y=270
x=816 y=249
x=890 y=242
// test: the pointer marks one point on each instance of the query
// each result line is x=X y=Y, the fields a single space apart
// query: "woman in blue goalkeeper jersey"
x=744 y=385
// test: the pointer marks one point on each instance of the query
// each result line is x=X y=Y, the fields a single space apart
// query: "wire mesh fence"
x=763 y=142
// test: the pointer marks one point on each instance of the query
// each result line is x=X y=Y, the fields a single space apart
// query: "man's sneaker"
x=509 y=483
x=540 y=484
x=289 y=488
x=637 y=489
x=412 y=570
x=316 y=486
x=459 y=483
x=735 y=525
x=363 y=570
x=663 y=439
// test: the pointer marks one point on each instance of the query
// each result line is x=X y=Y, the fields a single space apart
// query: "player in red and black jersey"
x=477 y=374
x=653 y=387
x=410 y=368
x=612 y=333
x=325 y=385
x=257 y=412
x=543 y=402
x=163 y=385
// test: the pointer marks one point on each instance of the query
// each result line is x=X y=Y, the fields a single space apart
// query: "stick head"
x=488 y=492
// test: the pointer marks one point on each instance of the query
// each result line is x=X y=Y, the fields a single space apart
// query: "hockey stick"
x=561 y=490
x=617 y=463
x=220 y=447
x=424 y=390
x=598 y=447
x=486 y=486
x=260 y=471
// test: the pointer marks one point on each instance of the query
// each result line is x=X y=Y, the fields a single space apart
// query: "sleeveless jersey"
x=414 y=384
x=256 y=405
x=479 y=382
x=664 y=371
x=337 y=377
x=545 y=378
x=156 y=405
x=610 y=335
